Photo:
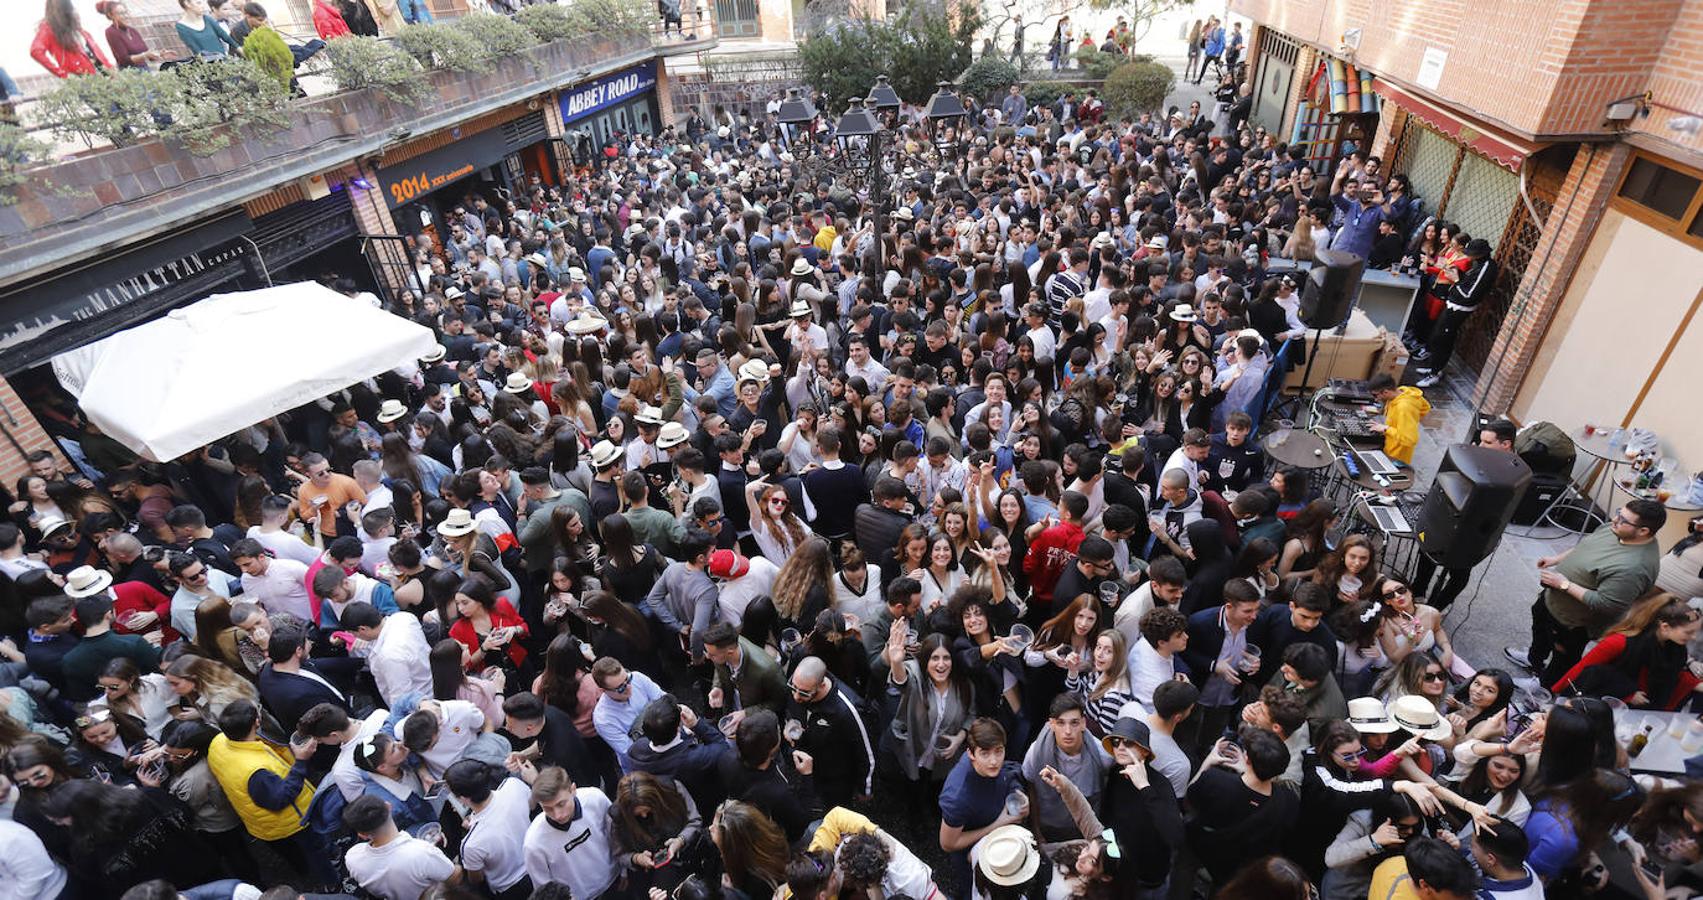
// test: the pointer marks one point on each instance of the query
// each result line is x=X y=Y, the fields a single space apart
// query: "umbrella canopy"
x=196 y=374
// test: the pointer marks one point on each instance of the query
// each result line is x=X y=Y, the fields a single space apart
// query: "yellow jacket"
x=1401 y=420
x=234 y=763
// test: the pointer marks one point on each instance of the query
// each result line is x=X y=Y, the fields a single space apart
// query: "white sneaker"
x=1429 y=379
x=1518 y=657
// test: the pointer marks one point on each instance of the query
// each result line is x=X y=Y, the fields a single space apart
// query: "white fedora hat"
x=1008 y=855
x=587 y=324
x=673 y=435
x=648 y=415
x=1368 y=716
x=1415 y=714
x=801 y=309
x=518 y=383
x=86 y=581
x=457 y=523
x=391 y=410
x=433 y=355
x=603 y=453
x=1183 y=313
x=802 y=266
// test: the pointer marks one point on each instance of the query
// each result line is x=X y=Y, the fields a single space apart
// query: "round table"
x=1595 y=445
x=1294 y=447
x=1400 y=481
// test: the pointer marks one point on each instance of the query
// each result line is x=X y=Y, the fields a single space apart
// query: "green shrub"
x=1135 y=88
x=267 y=50
x=987 y=78
x=18 y=152
x=612 y=16
x=234 y=93
x=358 y=63
x=440 y=47
x=500 y=35
x=118 y=109
x=1097 y=63
x=548 y=22
x=1044 y=93
x=918 y=48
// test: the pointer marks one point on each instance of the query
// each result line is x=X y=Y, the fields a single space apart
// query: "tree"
x=1137 y=87
x=916 y=49
x=1140 y=13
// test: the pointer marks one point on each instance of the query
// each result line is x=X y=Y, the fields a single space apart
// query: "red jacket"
x=502 y=616
x=1049 y=553
x=62 y=61
x=1606 y=652
x=328 y=21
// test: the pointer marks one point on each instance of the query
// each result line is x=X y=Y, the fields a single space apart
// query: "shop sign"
x=595 y=96
x=414 y=178
x=102 y=297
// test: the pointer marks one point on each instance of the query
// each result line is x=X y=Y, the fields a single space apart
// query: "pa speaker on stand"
x=1329 y=295
x=1476 y=492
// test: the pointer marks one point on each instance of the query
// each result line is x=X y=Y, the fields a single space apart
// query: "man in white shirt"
x=395 y=648
x=1153 y=659
x=13 y=562
x=860 y=364
x=274 y=512
x=493 y=850
x=624 y=695
x=740 y=580
x=330 y=725
x=277 y=585
x=369 y=474
x=440 y=731
x=1196 y=448
x=392 y=864
x=568 y=843
x=378 y=535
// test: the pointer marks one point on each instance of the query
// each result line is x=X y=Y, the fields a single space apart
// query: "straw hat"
x=452 y=293
x=1007 y=855
x=603 y=453
x=801 y=309
x=391 y=410
x=86 y=581
x=457 y=523
x=47 y=525
x=435 y=354
x=1368 y=716
x=754 y=370
x=587 y=324
x=905 y=213
x=673 y=435
x=648 y=415
x=537 y=259
x=1183 y=313
x=576 y=274
x=517 y=383
x=802 y=266
x=1416 y=714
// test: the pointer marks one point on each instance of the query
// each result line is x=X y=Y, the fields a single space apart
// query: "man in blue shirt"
x=973 y=799
x=1362 y=208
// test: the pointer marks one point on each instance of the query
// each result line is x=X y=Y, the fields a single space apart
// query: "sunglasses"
x=779 y=501
x=1351 y=757
x=800 y=692
x=625 y=683
x=1395 y=592
x=1431 y=676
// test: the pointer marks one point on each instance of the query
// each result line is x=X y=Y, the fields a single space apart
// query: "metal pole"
x=878 y=193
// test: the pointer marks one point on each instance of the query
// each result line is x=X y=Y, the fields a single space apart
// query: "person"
x=321 y=498
x=1586 y=588
x=1461 y=301
x=834 y=732
x=933 y=702
x=82 y=663
x=1143 y=811
x=499 y=815
x=1643 y=660
x=624 y=695
x=863 y=857
x=63 y=47
x=1403 y=407
x=269 y=788
x=291 y=684
x=1237 y=810
x=745 y=678
x=394 y=647
x=126 y=835
x=544 y=736
x=1062 y=747
x=753 y=852
x=568 y=841
x=1102 y=681
x=674 y=743
x=279 y=585
x=25 y=865
x=1157 y=657
x=654 y=826
x=973 y=800
x=1427 y=869
x=390 y=863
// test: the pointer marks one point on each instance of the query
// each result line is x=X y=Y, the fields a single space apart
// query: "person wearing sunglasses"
x=622 y=696
x=1333 y=787
x=833 y=733
x=1143 y=812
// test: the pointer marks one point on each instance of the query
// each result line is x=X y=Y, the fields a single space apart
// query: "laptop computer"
x=1389 y=519
x=1374 y=462
x=1345 y=390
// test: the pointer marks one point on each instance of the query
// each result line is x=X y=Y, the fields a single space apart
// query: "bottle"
x=1639 y=741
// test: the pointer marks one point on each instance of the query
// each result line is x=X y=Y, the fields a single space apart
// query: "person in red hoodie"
x=1643 y=660
x=63 y=47
x=1052 y=546
x=328 y=21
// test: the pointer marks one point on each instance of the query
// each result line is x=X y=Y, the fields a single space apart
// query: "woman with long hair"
x=402 y=463
x=1494 y=783
x=1305 y=544
x=955 y=524
x=38 y=767
x=127 y=692
x=993 y=556
x=1408 y=625
x=250 y=491
x=909 y=553
x=753 y=848
x=490 y=628
x=573 y=540
x=1256 y=563
x=1417 y=674
x=121 y=837
x=63 y=46
x=1268 y=878
x=626 y=568
x=1569 y=821
x=1478 y=703
x=803 y=586
x=1681 y=572
x=207 y=686
x=1333 y=787
x=1359 y=656
x=566 y=682
x=1578 y=736
x=654 y=825
x=991 y=661
x=215 y=635
x=450 y=681
x=778 y=531
x=1347 y=571
x=1102 y=681
x=932 y=702
x=617 y=630
x=108 y=745
x=857 y=584
x=1643 y=661
x=941 y=575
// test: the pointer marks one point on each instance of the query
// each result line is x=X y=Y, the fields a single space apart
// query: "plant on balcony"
x=18 y=151
x=267 y=50
x=549 y=22
x=212 y=101
x=501 y=35
x=121 y=108
x=613 y=16
x=1137 y=87
x=440 y=47
x=362 y=62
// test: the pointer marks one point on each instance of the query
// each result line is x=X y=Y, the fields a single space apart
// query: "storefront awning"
x=1504 y=149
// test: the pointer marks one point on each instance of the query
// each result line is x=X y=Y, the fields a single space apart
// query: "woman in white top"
x=942 y=576
x=1410 y=626
x=777 y=529
x=1360 y=657
x=145 y=698
x=857 y=586
x=798 y=439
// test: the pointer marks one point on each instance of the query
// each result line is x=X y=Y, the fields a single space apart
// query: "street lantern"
x=885 y=98
x=946 y=117
x=855 y=134
x=798 y=116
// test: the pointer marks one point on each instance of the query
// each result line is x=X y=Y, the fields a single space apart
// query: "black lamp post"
x=886 y=100
x=858 y=134
x=797 y=116
x=946 y=116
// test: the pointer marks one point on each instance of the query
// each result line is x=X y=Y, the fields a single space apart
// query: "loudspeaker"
x=1543 y=492
x=1332 y=284
x=1476 y=492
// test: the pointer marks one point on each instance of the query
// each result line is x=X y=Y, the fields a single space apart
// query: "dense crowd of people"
x=730 y=545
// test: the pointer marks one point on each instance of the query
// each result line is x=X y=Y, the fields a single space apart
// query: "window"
x=1658 y=188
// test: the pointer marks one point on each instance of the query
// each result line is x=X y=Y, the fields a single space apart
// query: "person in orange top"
x=63 y=47
x=321 y=499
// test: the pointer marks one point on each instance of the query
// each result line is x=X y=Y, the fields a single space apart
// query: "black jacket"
x=837 y=739
x=694 y=762
x=288 y=694
x=1474 y=285
x=877 y=529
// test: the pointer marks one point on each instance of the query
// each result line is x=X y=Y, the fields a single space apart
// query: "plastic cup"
x=942 y=743
x=1615 y=703
x=1016 y=803
x=726 y=723
x=1676 y=727
x=1692 y=741
x=793 y=731
x=790 y=638
x=1250 y=662
x=1110 y=594
x=1022 y=636
x=431 y=833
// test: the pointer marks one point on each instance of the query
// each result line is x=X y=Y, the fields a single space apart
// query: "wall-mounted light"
x=361 y=183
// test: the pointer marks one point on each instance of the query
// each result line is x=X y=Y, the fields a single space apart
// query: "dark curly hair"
x=863 y=860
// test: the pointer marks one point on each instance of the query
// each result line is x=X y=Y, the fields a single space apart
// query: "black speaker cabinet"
x=1332 y=284
x=1476 y=492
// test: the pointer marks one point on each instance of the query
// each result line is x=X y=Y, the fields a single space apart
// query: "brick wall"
x=1568 y=230
x=24 y=431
